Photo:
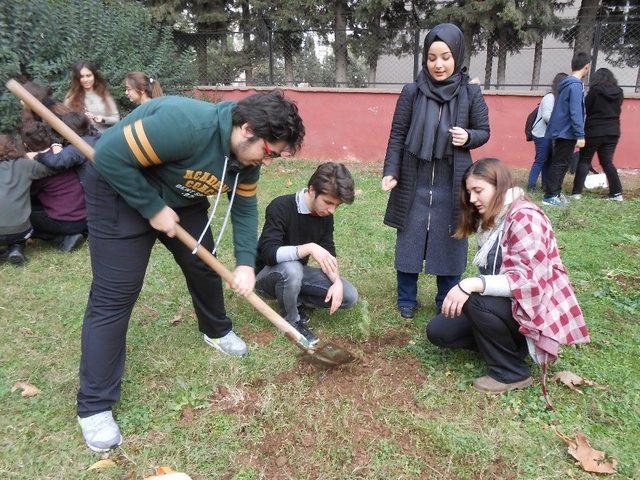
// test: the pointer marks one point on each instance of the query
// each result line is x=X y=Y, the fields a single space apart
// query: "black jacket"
x=473 y=116
x=603 y=104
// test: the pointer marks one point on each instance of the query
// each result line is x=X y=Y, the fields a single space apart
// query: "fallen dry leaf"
x=169 y=475
x=187 y=415
x=288 y=183
x=164 y=470
x=176 y=319
x=102 y=464
x=28 y=390
x=590 y=459
x=26 y=331
x=572 y=381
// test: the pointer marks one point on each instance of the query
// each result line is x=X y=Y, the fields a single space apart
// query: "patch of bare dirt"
x=261 y=338
x=344 y=410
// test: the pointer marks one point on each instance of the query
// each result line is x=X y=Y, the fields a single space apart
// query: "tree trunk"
x=537 y=62
x=638 y=81
x=502 y=61
x=468 y=46
x=371 y=77
x=246 y=42
x=488 y=68
x=340 y=43
x=287 y=53
x=585 y=28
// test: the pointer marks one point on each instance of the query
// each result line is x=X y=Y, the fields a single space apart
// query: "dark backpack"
x=530 y=123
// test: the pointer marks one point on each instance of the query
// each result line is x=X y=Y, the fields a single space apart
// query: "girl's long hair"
x=492 y=171
x=604 y=77
x=140 y=82
x=75 y=96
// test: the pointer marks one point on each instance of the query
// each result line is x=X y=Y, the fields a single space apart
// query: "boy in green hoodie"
x=152 y=171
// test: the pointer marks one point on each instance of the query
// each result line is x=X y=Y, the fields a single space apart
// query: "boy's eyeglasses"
x=268 y=153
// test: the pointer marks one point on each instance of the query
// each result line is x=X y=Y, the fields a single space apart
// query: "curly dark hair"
x=272 y=117
x=604 y=77
x=35 y=136
x=333 y=179
x=9 y=149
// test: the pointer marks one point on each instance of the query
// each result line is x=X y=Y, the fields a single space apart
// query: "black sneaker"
x=306 y=333
x=16 y=254
x=69 y=243
x=304 y=316
x=407 y=312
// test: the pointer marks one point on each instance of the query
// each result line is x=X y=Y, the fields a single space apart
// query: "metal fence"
x=306 y=58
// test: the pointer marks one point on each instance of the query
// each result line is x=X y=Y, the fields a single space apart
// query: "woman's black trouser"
x=120 y=243
x=486 y=324
x=605 y=146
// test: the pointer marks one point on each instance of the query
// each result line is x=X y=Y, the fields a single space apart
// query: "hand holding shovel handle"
x=280 y=323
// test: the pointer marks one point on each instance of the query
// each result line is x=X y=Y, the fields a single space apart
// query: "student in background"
x=140 y=89
x=60 y=215
x=602 y=132
x=16 y=175
x=566 y=128
x=89 y=94
x=543 y=144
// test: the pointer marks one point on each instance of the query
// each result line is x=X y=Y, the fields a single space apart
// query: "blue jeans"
x=293 y=284
x=541 y=163
x=408 y=288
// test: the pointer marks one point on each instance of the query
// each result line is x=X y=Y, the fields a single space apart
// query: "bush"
x=42 y=39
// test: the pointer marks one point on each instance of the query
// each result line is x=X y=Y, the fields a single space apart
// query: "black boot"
x=16 y=254
x=69 y=243
x=306 y=333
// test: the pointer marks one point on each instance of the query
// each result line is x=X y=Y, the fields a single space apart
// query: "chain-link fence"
x=312 y=57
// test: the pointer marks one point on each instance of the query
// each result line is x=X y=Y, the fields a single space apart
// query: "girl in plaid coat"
x=522 y=302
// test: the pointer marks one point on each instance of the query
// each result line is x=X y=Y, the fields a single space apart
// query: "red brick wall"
x=353 y=124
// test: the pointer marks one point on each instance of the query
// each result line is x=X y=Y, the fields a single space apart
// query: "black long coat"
x=448 y=256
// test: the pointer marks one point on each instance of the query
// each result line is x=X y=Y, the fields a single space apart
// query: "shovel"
x=326 y=355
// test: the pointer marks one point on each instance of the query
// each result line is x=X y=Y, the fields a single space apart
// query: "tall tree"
x=620 y=34
x=341 y=12
x=585 y=26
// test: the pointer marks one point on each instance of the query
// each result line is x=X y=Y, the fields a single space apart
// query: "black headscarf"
x=435 y=106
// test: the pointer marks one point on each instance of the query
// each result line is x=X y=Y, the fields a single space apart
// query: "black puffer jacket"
x=473 y=116
x=603 y=105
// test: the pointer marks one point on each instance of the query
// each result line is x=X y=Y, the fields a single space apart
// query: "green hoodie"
x=171 y=151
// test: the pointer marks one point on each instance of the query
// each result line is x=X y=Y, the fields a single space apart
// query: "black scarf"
x=435 y=106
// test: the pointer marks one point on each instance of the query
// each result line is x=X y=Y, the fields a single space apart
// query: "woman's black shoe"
x=15 y=254
x=407 y=312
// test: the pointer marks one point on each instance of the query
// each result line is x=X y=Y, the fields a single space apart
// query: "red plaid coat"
x=544 y=303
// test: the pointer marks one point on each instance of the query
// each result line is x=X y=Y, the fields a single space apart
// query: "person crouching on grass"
x=152 y=171
x=522 y=301
x=298 y=227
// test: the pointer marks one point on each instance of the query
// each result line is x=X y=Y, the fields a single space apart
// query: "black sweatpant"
x=605 y=146
x=47 y=228
x=120 y=242
x=487 y=325
x=560 y=161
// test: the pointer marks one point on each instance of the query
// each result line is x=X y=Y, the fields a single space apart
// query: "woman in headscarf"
x=438 y=119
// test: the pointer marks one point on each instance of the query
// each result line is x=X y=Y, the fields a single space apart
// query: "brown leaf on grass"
x=572 y=381
x=187 y=415
x=150 y=311
x=288 y=183
x=590 y=459
x=177 y=319
x=28 y=390
x=102 y=464
x=26 y=331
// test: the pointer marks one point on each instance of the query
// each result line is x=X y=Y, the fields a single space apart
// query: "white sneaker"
x=563 y=199
x=616 y=198
x=100 y=431
x=576 y=196
x=230 y=344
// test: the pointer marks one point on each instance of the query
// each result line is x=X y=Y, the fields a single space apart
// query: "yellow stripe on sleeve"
x=247 y=189
x=144 y=141
x=133 y=145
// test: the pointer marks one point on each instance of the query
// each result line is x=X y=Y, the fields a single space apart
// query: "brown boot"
x=491 y=385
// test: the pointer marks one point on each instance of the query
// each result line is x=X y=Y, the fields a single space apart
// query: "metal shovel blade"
x=328 y=355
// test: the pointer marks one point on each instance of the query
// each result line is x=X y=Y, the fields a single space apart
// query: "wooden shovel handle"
x=207 y=257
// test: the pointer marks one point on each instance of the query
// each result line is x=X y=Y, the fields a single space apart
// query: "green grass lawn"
x=405 y=410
